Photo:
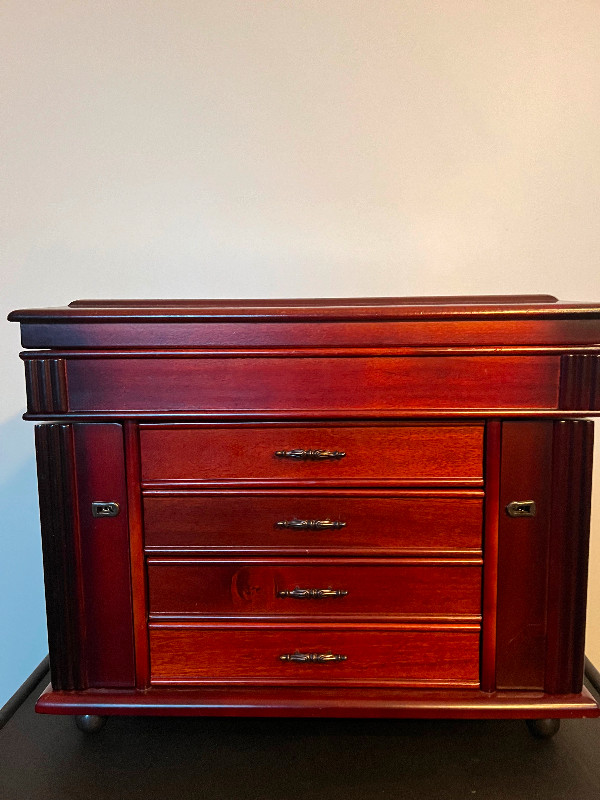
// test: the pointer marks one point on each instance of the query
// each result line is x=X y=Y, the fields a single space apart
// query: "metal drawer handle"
x=312 y=593
x=315 y=658
x=310 y=455
x=521 y=508
x=310 y=524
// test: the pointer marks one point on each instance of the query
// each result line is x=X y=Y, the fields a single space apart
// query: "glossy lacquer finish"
x=315 y=588
x=399 y=453
x=314 y=521
x=312 y=505
x=409 y=655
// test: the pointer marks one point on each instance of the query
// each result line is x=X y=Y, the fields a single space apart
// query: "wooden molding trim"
x=46 y=384
x=580 y=382
x=568 y=553
x=321 y=702
x=61 y=553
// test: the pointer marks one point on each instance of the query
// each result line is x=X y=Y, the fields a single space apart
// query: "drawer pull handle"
x=312 y=594
x=314 y=658
x=310 y=524
x=310 y=455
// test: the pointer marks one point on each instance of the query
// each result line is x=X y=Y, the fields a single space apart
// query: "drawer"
x=376 y=655
x=309 y=522
x=316 y=588
x=318 y=384
x=427 y=453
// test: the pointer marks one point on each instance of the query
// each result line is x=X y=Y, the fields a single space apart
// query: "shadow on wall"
x=22 y=616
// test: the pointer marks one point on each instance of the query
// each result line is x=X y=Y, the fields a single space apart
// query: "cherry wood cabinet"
x=353 y=507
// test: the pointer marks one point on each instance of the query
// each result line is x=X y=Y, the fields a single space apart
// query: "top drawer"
x=314 y=454
x=317 y=386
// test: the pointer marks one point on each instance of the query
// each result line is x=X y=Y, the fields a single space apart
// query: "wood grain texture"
x=455 y=333
x=340 y=701
x=104 y=548
x=568 y=554
x=403 y=523
x=580 y=382
x=310 y=384
x=46 y=385
x=136 y=554
x=379 y=588
x=62 y=556
x=444 y=409
x=441 y=655
x=426 y=452
x=493 y=445
x=522 y=559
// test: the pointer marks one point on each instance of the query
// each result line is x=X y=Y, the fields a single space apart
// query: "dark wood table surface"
x=45 y=757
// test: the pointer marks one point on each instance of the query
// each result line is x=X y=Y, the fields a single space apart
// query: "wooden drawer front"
x=414 y=656
x=227 y=522
x=254 y=587
x=394 y=452
x=319 y=385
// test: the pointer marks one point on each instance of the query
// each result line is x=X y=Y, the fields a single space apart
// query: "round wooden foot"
x=89 y=723
x=543 y=728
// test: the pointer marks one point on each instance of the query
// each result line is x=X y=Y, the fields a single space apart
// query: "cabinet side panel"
x=60 y=544
x=100 y=466
x=568 y=554
x=525 y=474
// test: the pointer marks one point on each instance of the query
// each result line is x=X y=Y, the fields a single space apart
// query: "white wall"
x=207 y=148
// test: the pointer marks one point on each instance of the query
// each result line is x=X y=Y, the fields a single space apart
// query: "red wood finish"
x=487 y=333
x=104 y=549
x=46 y=384
x=312 y=384
x=493 y=445
x=580 y=381
x=374 y=587
x=289 y=701
x=407 y=522
x=425 y=453
x=351 y=322
x=257 y=303
x=89 y=627
x=568 y=554
x=388 y=655
x=136 y=554
x=522 y=564
x=62 y=555
x=445 y=411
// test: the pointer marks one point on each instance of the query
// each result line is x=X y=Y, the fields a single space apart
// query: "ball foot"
x=89 y=723
x=543 y=728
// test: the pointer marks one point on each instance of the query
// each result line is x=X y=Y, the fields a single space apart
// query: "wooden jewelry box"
x=358 y=507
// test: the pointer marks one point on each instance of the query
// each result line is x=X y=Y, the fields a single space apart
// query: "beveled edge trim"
x=321 y=702
x=162 y=417
x=338 y=682
x=323 y=551
x=274 y=620
x=389 y=494
x=308 y=483
x=308 y=351
x=325 y=562
x=428 y=627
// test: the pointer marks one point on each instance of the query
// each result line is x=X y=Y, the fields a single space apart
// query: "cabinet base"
x=293 y=702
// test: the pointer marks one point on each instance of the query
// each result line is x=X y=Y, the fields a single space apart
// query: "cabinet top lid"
x=297 y=309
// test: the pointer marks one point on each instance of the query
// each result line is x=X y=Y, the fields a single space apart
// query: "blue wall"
x=22 y=616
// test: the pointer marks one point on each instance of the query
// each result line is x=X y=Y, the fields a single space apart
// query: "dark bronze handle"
x=310 y=455
x=315 y=658
x=310 y=524
x=312 y=594
x=521 y=508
